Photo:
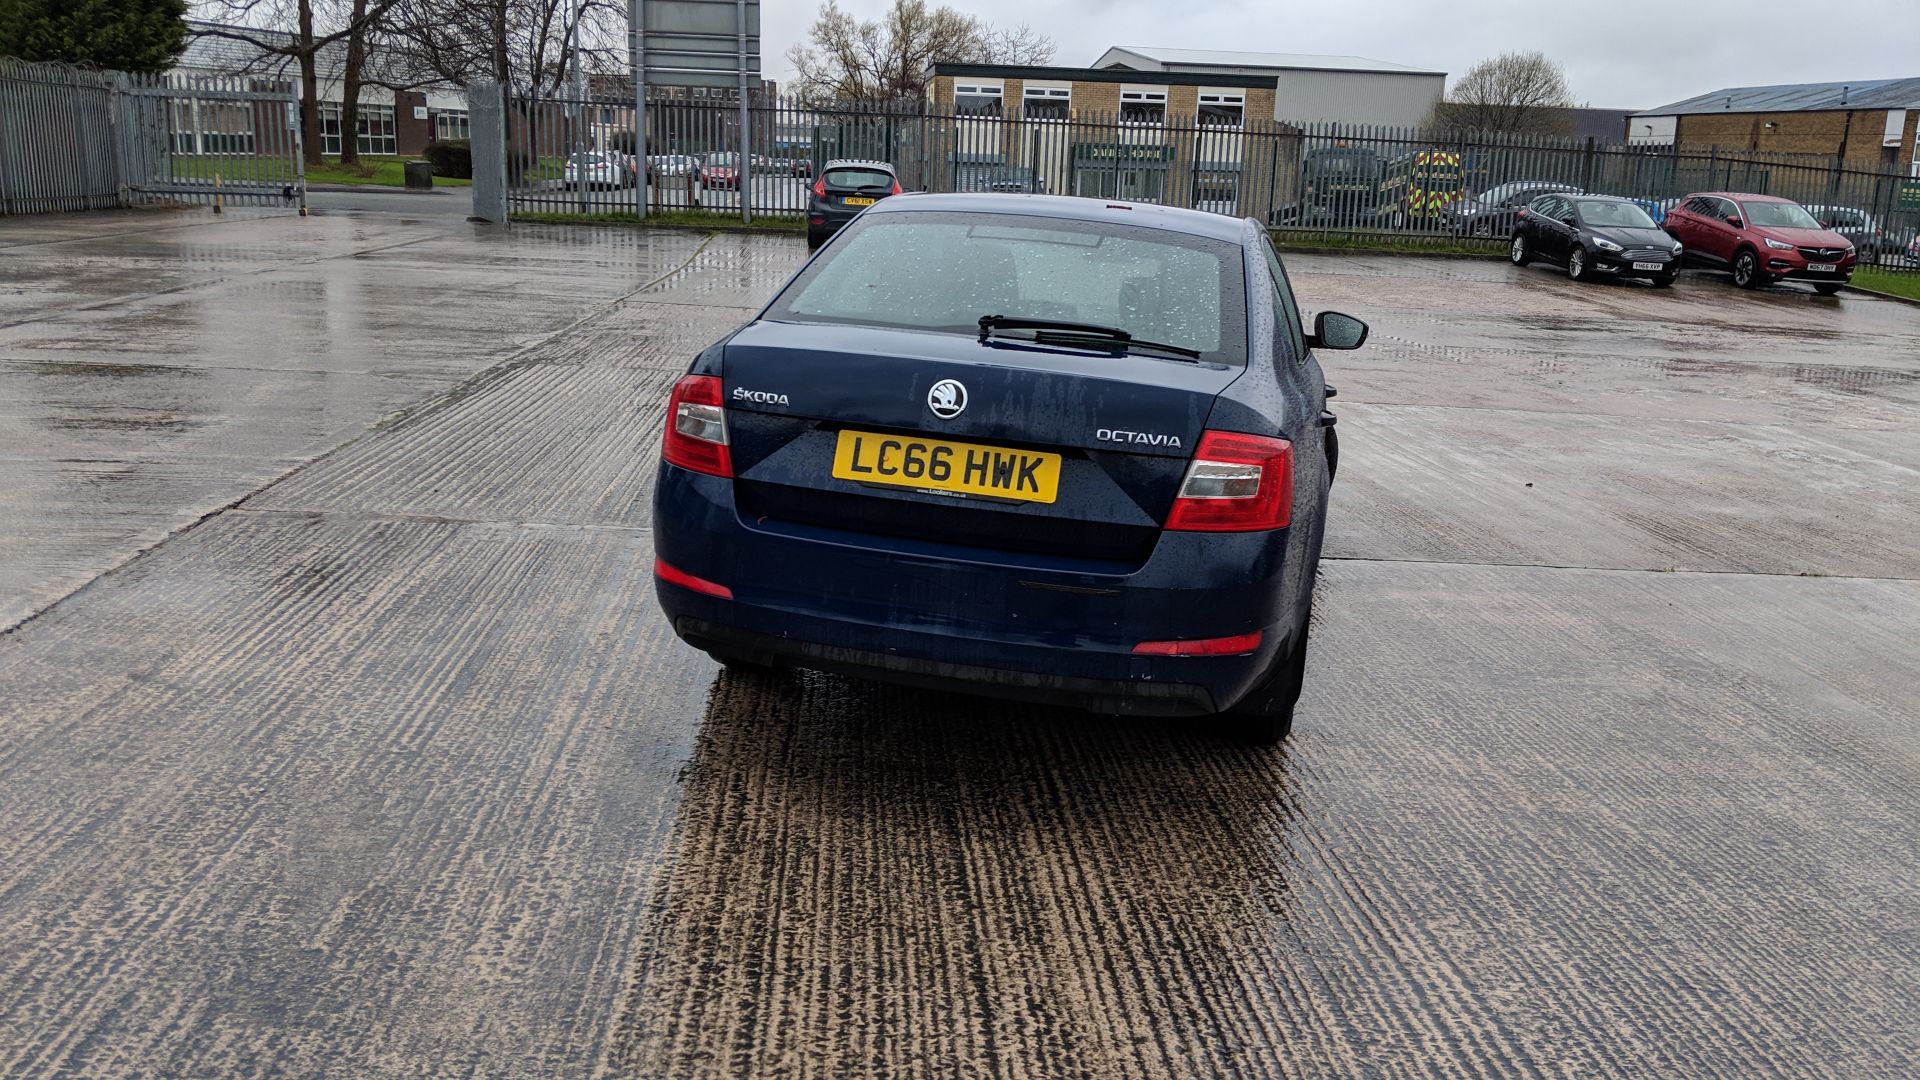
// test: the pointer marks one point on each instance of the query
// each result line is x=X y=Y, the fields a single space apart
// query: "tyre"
x=1577 y=264
x=1663 y=281
x=1517 y=252
x=1333 y=454
x=814 y=240
x=1828 y=288
x=1746 y=271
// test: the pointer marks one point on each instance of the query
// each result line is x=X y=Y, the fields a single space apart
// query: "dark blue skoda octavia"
x=1020 y=445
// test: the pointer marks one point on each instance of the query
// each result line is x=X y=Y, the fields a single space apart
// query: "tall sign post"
x=710 y=43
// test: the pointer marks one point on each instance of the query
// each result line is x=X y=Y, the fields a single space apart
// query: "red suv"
x=1761 y=239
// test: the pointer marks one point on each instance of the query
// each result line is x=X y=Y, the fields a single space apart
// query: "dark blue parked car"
x=1043 y=448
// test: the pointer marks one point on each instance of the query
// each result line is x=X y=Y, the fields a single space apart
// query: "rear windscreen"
x=942 y=271
x=858 y=178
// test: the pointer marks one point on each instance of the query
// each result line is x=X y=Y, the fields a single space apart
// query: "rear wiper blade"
x=1060 y=331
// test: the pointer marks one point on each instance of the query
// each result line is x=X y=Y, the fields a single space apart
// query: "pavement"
x=340 y=734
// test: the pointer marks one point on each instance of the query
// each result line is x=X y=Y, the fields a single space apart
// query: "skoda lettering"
x=759 y=397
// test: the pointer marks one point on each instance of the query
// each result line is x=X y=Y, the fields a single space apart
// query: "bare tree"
x=1520 y=93
x=293 y=31
x=526 y=43
x=846 y=60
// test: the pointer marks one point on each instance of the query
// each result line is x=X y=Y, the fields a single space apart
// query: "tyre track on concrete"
x=1698 y=862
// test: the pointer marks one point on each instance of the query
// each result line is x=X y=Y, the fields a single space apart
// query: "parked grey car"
x=1494 y=211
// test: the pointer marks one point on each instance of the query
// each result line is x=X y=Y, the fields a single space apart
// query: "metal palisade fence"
x=57 y=148
x=72 y=139
x=1307 y=180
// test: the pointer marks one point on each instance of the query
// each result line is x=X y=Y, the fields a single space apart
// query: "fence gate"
x=224 y=139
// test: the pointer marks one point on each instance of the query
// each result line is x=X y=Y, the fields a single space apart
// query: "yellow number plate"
x=938 y=465
x=856 y=201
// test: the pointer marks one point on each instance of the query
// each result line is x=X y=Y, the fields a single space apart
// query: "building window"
x=1143 y=107
x=375 y=129
x=976 y=100
x=211 y=127
x=1049 y=103
x=1223 y=110
x=452 y=124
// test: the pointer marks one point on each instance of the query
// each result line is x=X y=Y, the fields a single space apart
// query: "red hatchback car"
x=1761 y=239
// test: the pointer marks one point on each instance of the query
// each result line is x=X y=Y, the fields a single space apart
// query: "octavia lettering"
x=950 y=468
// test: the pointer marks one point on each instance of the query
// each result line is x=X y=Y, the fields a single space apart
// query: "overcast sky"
x=1617 y=53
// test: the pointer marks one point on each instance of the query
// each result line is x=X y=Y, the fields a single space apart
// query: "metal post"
x=637 y=38
x=742 y=176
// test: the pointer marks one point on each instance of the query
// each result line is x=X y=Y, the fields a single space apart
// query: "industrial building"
x=1306 y=88
x=1867 y=123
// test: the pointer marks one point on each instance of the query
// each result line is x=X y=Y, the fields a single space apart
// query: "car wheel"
x=1828 y=288
x=1333 y=454
x=1746 y=270
x=1663 y=281
x=1517 y=252
x=814 y=240
x=1577 y=264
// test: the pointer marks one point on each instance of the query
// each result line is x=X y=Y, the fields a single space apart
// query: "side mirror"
x=1569 y=222
x=1332 y=330
x=1733 y=221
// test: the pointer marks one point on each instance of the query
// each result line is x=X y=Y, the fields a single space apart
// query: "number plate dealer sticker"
x=938 y=465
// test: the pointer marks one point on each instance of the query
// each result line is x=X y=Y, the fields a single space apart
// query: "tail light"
x=696 y=436
x=896 y=188
x=1236 y=483
x=820 y=187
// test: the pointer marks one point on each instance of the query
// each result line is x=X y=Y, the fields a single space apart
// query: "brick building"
x=399 y=122
x=1869 y=124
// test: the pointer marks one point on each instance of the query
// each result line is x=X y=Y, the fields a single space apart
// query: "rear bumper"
x=909 y=613
x=1138 y=698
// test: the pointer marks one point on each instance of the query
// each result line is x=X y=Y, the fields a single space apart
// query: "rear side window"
x=1285 y=308
x=942 y=271
x=859 y=178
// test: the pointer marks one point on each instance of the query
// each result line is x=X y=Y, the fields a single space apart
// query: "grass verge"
x=372 y=171
x=717 y=220
x=1886 y=281
x=1306 y=240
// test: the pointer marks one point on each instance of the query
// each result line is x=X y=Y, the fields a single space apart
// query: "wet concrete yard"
x=380 y=761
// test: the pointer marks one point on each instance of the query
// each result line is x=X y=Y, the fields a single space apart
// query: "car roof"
x=1148 y=215
x=1743 y=196
x=856 y=163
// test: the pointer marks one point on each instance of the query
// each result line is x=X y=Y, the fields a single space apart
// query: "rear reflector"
x=696 y=436
x=673 y=575
x=1236 y=483
x=1237 y=645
